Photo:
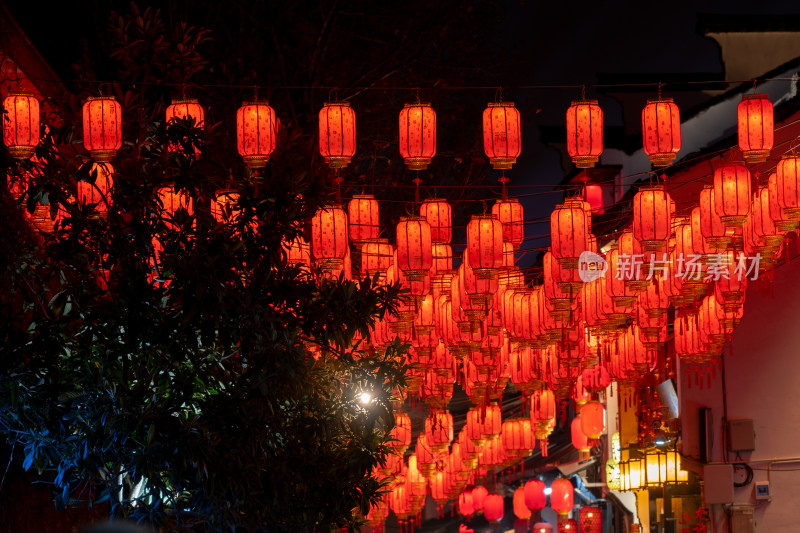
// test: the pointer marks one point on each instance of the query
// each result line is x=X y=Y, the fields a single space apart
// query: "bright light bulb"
x=365 y=397
x=548 y=490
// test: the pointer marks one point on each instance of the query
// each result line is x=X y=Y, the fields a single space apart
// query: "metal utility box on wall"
x=718 y=483
x=741 y=435
x=742 y=519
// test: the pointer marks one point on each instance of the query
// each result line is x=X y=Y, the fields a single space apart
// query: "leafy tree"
x=179 y=368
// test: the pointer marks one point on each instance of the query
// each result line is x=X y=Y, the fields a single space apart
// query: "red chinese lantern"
x=363 y=218
x=186 y=108
x=102 y=127
x=485 y=245
x=465 y=505
x=329 y=237
x=439 y=429
x=225 y=205
x=520 y=509
x=417 y=135
x=712 y=230
x=651 y=218
x=493 y=507
x=579 y=440
x=542 y=527
x=543 y=415
x=661 y=129
x=518 y=437
x=593 y=421
x=593 y=195
x=568 y=233
x=414 y=250
x=788 y=186
x=590 y=519
x=439 y=215
x=502 y=134
x=479 y=495
x=732 y=195
x=99 y=192
x=756 y=129
x=21 y=124
x=256 y=133
x=782 y=221
x=567 y=526
x=298 y=252
x=535 y=496
x=171 y=201
x=337 y=133
x=376 y=256
x=401 y=433
x=584 y=132
x=763 y=225
x=562 y=496
x=509 y=212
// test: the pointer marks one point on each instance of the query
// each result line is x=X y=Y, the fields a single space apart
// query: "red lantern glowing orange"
x=414 y=247
x=439 y=215
x=225 y=205
x=363 y=218
x=99 y=192
x=579 y=440
x=329 y=237
x=401 y=433
x=479 y=495
x=502 y=134
x=756 y=128
x=439 y=429
x=485 y=245
x=661 y=130
x=337 y=133
x=520 y=509
x=256 y=133
x=593 y=421
x=593 y=195
x=788 y=186
x=21 y=124
x=732 y=195
x=417 y=135
x=590 y=519
x=535 y=496
x=584 y=132
x=651 y=218
x=186 y=108
x=465 y=505
x=562 y=496
x=509 y=212
x=568 y=233
x=493 y=507
x=102 y=127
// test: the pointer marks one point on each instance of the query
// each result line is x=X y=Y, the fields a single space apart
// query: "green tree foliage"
x=180 y=386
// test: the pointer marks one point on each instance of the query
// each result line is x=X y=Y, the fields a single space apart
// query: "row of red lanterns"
x=257 y=129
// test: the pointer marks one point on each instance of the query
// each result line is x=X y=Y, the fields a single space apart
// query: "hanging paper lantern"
x=593 y=195
x=376 y=257
x=756 y=129
x=99 y=192
x=439 y=215
x=509 y=212
x=256 y=133
x=102 y=127
x=439 y=429
x=485 y=245
x=417 y=135
x=337 y=133
x=479 y=495
x=542 y=527
x=401 y=433
x=493 y=507
x=535 y=496
x=186 y=108
x=520 y=509
x=21 y=124
x=593 y=421
x=225 y=205
x=578 y=438
x=711 y=227
x=788 y=186
x=584 y=132
x=329 y=236
x=502 y=134
x=363 y=218
x=732 y=195
x=567 y=526
x=518 y=437
x=781 y=219
x=465 y=505
x=590 y=519
x=568 y=233
x=414 y=250
x=298 y=252
x=562 y=496
x=661 y=129
x=651 y=218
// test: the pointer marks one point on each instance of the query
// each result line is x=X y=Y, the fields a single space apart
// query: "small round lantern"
x=502 y=134
x=590 y=519
x=661 y=130
x=479 y=495
x=493 y=507
x=585 y=132
x=417 y=135
x=102 y=127
x=520 y=509
x=465 y=505
x=756 y=128
x=567 y=526
x=21 y=124
x=337 y=133
x=562 y=496
x=256 y=133
x=535 y=496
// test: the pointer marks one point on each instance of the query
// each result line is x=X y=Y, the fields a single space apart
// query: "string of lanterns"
x=479 y=324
